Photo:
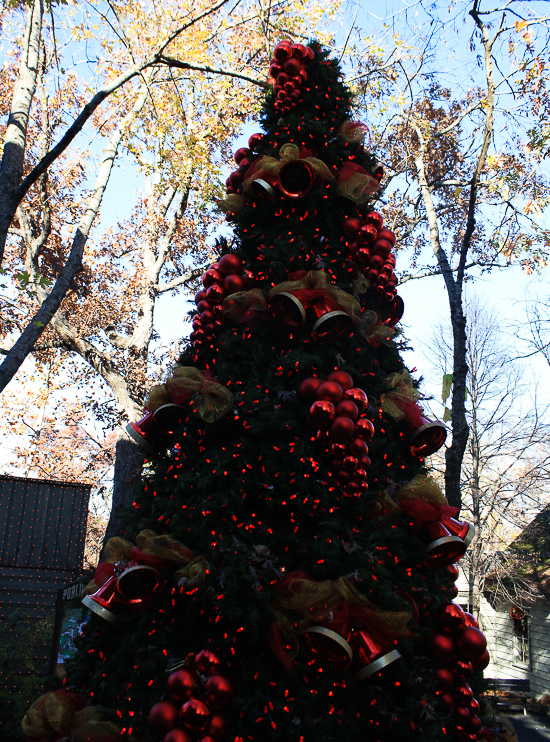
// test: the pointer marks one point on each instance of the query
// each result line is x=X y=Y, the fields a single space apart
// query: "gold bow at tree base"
x=158 y=551
x=211 y=399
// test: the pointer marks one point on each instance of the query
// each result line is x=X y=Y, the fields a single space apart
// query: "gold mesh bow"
x=401 y=393
x=423 y=488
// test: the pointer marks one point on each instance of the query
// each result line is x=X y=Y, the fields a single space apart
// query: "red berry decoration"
x=219 y=691
x=163 y=717
x=330 y=391
x=181 y=685
x=230 y=263
x=342 y=378
x=195 y=715
x=308 y=388
x=472 y=643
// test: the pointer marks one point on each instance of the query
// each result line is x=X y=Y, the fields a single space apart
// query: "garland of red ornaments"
x=339 y=413
x=225 y=277
x=460 y=649
x=197 y=692
x=288 y=71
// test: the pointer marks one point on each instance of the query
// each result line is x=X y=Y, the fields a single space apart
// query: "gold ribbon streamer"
x=353 y=132
x=244 y=306
x=402 y=391
x=233 y=202
x=358 y=187
x=320 y=280
x=423 y=488
x=193 y=573
x=374 y=331
x=213 y=402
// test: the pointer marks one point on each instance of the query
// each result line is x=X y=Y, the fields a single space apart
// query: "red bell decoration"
x=463 y=530
x=156 y=427
x=103 y=600
x=296 y=178
x=329 y=648
x=133 y=591
x=373 y=656
x=331 y=323
x=427 y=438
x=265 y=188
x=443 y=548
x=288 y=309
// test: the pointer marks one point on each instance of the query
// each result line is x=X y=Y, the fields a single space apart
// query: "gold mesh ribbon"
x=272 y=165
x=355 y=183
x=213 y=401
x=50 y=714
x=157 y=397
x=353 y=132
x=423 y=488
x=193 y=573
x=163 y=546
x=382 y=504
x=301 y=601
x=402 y=393
x=90 y=725
x=233 y=202
x=244 y=306
x=374 y=331
x=320 y=280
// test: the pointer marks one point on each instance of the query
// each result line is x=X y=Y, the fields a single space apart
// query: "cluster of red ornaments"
x=339 y=415
x=370 y=248
x=460 y=649
x=222 y=279
x=288 y=70
x=244 y=158
x=196 y=695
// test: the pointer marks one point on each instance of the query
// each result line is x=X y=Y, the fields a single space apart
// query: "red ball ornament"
x=204 y=305
x=207 y=738
x=376 y=262
x=178 y=735
x=215 y=294
x=207 y=662
x=359 y=397
x=387 y=234
x=200 y=296
x=446 y=699
x=474 y=724
x=471 y=643
x=452 y=569
x=181 y=685
x=470 y=621
x=374 y=218
x=358 y=447
x=444 y=677
x=331 y=391
x=255 y=141
x=241 y=153
x=350 y=227
x=195 y=715
x=233 y=283
x=382 y=248
x=480 y=663
x=463 y=669
x=364 y=428
x=464 y=694
x=441 y=647
x=308 y=388
x=292 y=67
x=281 y=52
x=451 y=617
x=338 y=450
x=347 y=408
x=350 y=463
x=219 y=691
x=321 y=413
x=217 y=727
x=367 y=234
x=163 y=716
x=486 y=734
x=343 y=476
x=342 y=378
x=230 y=263
x=211 y=277
x=342 y=429
x=462 y=714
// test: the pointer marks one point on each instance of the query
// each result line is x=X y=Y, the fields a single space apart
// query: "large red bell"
x=133 y=591
x=462 y=529
x=328 y=648
x=427 y=438
x=265 y=188
x=296 y=178
x=103 y=600
x=331 y=323
x=392 y=315
x=288 y=309
x=372 y=655
x=156 y=427
x=443 y=548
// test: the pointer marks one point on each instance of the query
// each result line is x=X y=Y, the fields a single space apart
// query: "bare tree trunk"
x=129 y=459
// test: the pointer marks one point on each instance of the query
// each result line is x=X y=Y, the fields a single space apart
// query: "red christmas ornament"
x=382 y=248
x=321 y=413
x=240 y=154
x=342 y=429
x=219 y=691
x=255 y=141
x=351 y=226
x=470 y=621
x=359 y=397
x=358 y=447
x=207 y=662
x=367 y=234
x=386 y=234
x=444 y=677
x=230 y=263
x=347 y=408
x=446 y=699
x=463 y=669
x=331 y=391
x=464 y=694
x=441 y=647
x=181 y=685
x=177 y=735
x=207 y=738
x=195 y=715
x=215 y=293
x=462 y=714
x=480 y=663
x=233 y=283
x=308 y=388
x=163 y=717
x=364 y=429
x=471 y=643
x=374 y=218
x=453 y=571
x=342 y=378
x=292 y=67
x=211 y=277
x=474 y=724
x=217 y=727
x=280 y=54
x=451 y=617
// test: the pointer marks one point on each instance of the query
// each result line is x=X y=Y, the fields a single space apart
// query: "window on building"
x=520 y=622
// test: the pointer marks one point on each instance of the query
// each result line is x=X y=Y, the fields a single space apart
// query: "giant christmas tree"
x=287 y=570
